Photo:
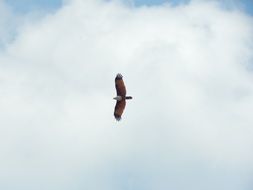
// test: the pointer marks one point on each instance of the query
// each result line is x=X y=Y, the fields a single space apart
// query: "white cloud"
x=189 y=125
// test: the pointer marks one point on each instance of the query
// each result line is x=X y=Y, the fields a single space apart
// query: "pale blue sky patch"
x=243 y=5
x=246 y=5
x=13 y=14
x=24 y=6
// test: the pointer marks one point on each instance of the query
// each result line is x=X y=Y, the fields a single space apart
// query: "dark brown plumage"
x=120 y=86
x=119 y=108
x=121 y=97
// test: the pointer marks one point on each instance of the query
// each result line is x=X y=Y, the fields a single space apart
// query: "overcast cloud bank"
x=189 y=126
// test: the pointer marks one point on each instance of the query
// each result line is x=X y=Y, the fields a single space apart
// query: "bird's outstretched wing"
x=119 y=108
x=120 y=86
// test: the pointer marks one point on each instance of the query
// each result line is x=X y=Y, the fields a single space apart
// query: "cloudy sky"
x=188 y=65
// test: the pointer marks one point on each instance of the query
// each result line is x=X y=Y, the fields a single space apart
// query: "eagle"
x=121 y=97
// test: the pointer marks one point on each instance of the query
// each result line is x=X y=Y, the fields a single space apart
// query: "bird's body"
x=121 y=97
x=118 y=98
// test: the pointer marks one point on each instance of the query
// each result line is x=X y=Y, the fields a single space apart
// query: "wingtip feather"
x=117 y=117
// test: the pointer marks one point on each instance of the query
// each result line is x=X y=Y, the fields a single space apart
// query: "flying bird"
x=121 y=97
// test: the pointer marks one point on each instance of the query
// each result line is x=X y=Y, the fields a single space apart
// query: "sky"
x=31 y=5
x=187 y=65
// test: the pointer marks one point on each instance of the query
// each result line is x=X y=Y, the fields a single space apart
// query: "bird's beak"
x=114 y=98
